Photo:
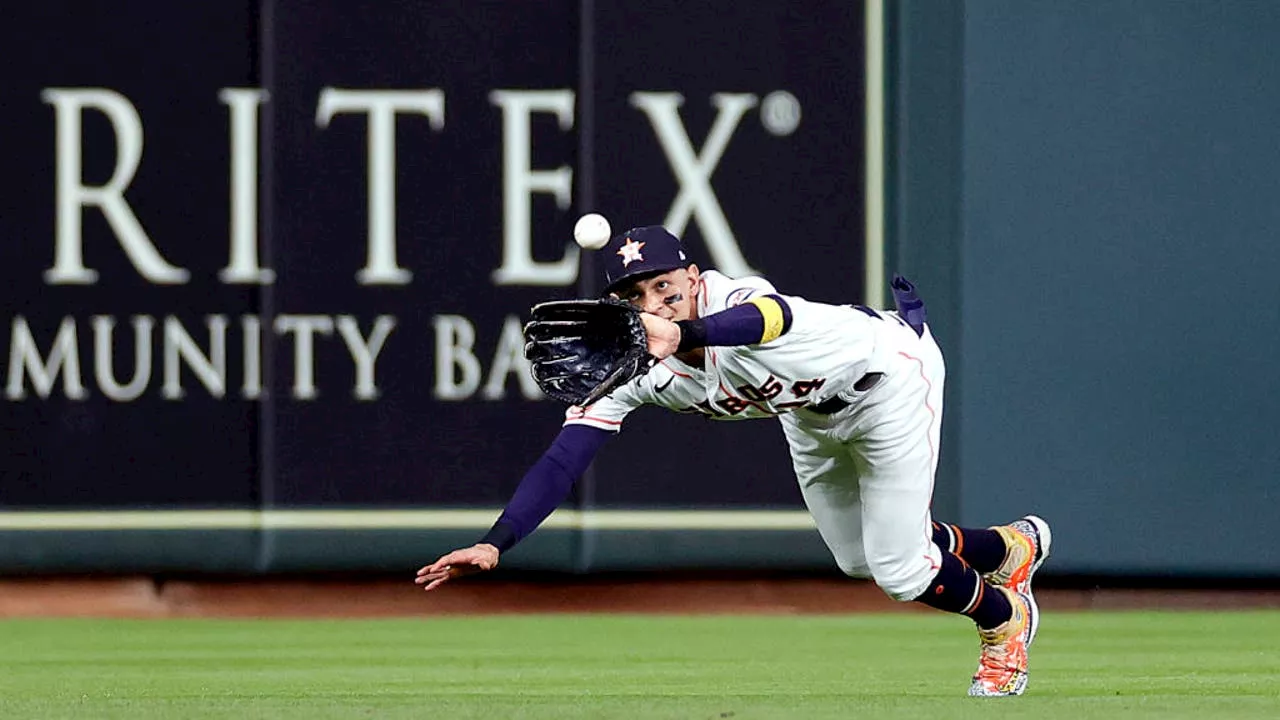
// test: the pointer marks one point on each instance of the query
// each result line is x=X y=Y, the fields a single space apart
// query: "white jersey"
x=826 y=350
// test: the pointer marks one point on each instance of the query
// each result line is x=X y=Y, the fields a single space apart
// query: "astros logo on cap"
x=630 y=252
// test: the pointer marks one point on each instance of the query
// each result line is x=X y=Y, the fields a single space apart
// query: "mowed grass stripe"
x=1084 y=665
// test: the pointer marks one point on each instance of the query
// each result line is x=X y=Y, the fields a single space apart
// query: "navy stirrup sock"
x=958 y=588
x=984 y=550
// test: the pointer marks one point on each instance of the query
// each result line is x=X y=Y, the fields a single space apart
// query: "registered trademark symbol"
x=780 y=112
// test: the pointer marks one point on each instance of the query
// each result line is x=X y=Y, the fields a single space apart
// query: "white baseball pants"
x=867 y=471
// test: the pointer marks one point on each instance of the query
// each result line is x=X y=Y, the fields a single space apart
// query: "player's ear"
x=693 y=277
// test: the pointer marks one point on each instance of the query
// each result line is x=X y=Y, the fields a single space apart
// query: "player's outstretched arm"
x=539 y=493
x=466 y=561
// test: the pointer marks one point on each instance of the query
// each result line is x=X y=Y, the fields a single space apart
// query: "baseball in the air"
x=592 y=231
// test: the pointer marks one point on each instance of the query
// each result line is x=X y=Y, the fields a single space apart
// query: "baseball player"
x=858 y=393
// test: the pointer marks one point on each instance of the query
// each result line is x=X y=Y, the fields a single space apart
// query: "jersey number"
x=802 y=388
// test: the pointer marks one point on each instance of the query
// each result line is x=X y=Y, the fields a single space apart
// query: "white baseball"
x=592 y=231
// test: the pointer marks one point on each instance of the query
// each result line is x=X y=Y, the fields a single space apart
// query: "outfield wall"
x=1094 y=185
x=265 y=269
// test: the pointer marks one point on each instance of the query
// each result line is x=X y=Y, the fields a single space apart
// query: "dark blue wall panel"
x=1121 y=300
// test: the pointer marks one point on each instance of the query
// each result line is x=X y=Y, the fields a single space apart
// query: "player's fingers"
x=435 y=584
x=444 y=562
x=428 y=577
x=453 y=571
x=448 y=571
x=438 y=566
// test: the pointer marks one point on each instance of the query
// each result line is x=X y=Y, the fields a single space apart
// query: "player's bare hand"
x=467 y=561
x=664 y=335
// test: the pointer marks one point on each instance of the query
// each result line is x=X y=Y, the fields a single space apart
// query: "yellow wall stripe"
x=478 y=520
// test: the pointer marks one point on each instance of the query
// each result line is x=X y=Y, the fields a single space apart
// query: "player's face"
x=671 y=295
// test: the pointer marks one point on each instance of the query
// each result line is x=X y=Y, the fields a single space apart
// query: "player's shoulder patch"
x=739 y=296
x=720 y=292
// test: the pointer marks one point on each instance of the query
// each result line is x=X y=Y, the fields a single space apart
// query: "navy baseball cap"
x=647 y=250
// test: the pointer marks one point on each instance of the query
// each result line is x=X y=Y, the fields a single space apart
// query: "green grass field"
x=1084 y=665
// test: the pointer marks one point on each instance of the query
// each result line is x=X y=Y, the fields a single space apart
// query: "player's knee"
x=899 y=591
x=902 y=581
x=854 y=569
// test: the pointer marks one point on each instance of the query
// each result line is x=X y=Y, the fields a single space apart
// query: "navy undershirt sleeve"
x=743 y=324
x=546 y=484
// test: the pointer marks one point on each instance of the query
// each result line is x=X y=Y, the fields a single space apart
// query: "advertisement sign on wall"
x=283 y=260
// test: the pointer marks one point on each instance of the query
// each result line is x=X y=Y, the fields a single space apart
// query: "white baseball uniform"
x=866 y=471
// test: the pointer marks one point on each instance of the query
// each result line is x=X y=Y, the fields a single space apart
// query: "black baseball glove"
x=581 y=350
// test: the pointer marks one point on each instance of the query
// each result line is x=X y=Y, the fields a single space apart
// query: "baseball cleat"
x=1002 y=666
x=1027 y=540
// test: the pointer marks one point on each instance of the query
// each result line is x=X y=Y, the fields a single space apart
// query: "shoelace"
x=993 y=663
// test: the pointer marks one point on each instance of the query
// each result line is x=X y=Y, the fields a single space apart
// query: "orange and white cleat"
x=1027 y=540
x=1002 y=666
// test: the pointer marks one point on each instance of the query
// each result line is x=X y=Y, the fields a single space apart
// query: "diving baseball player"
x=858 y=393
